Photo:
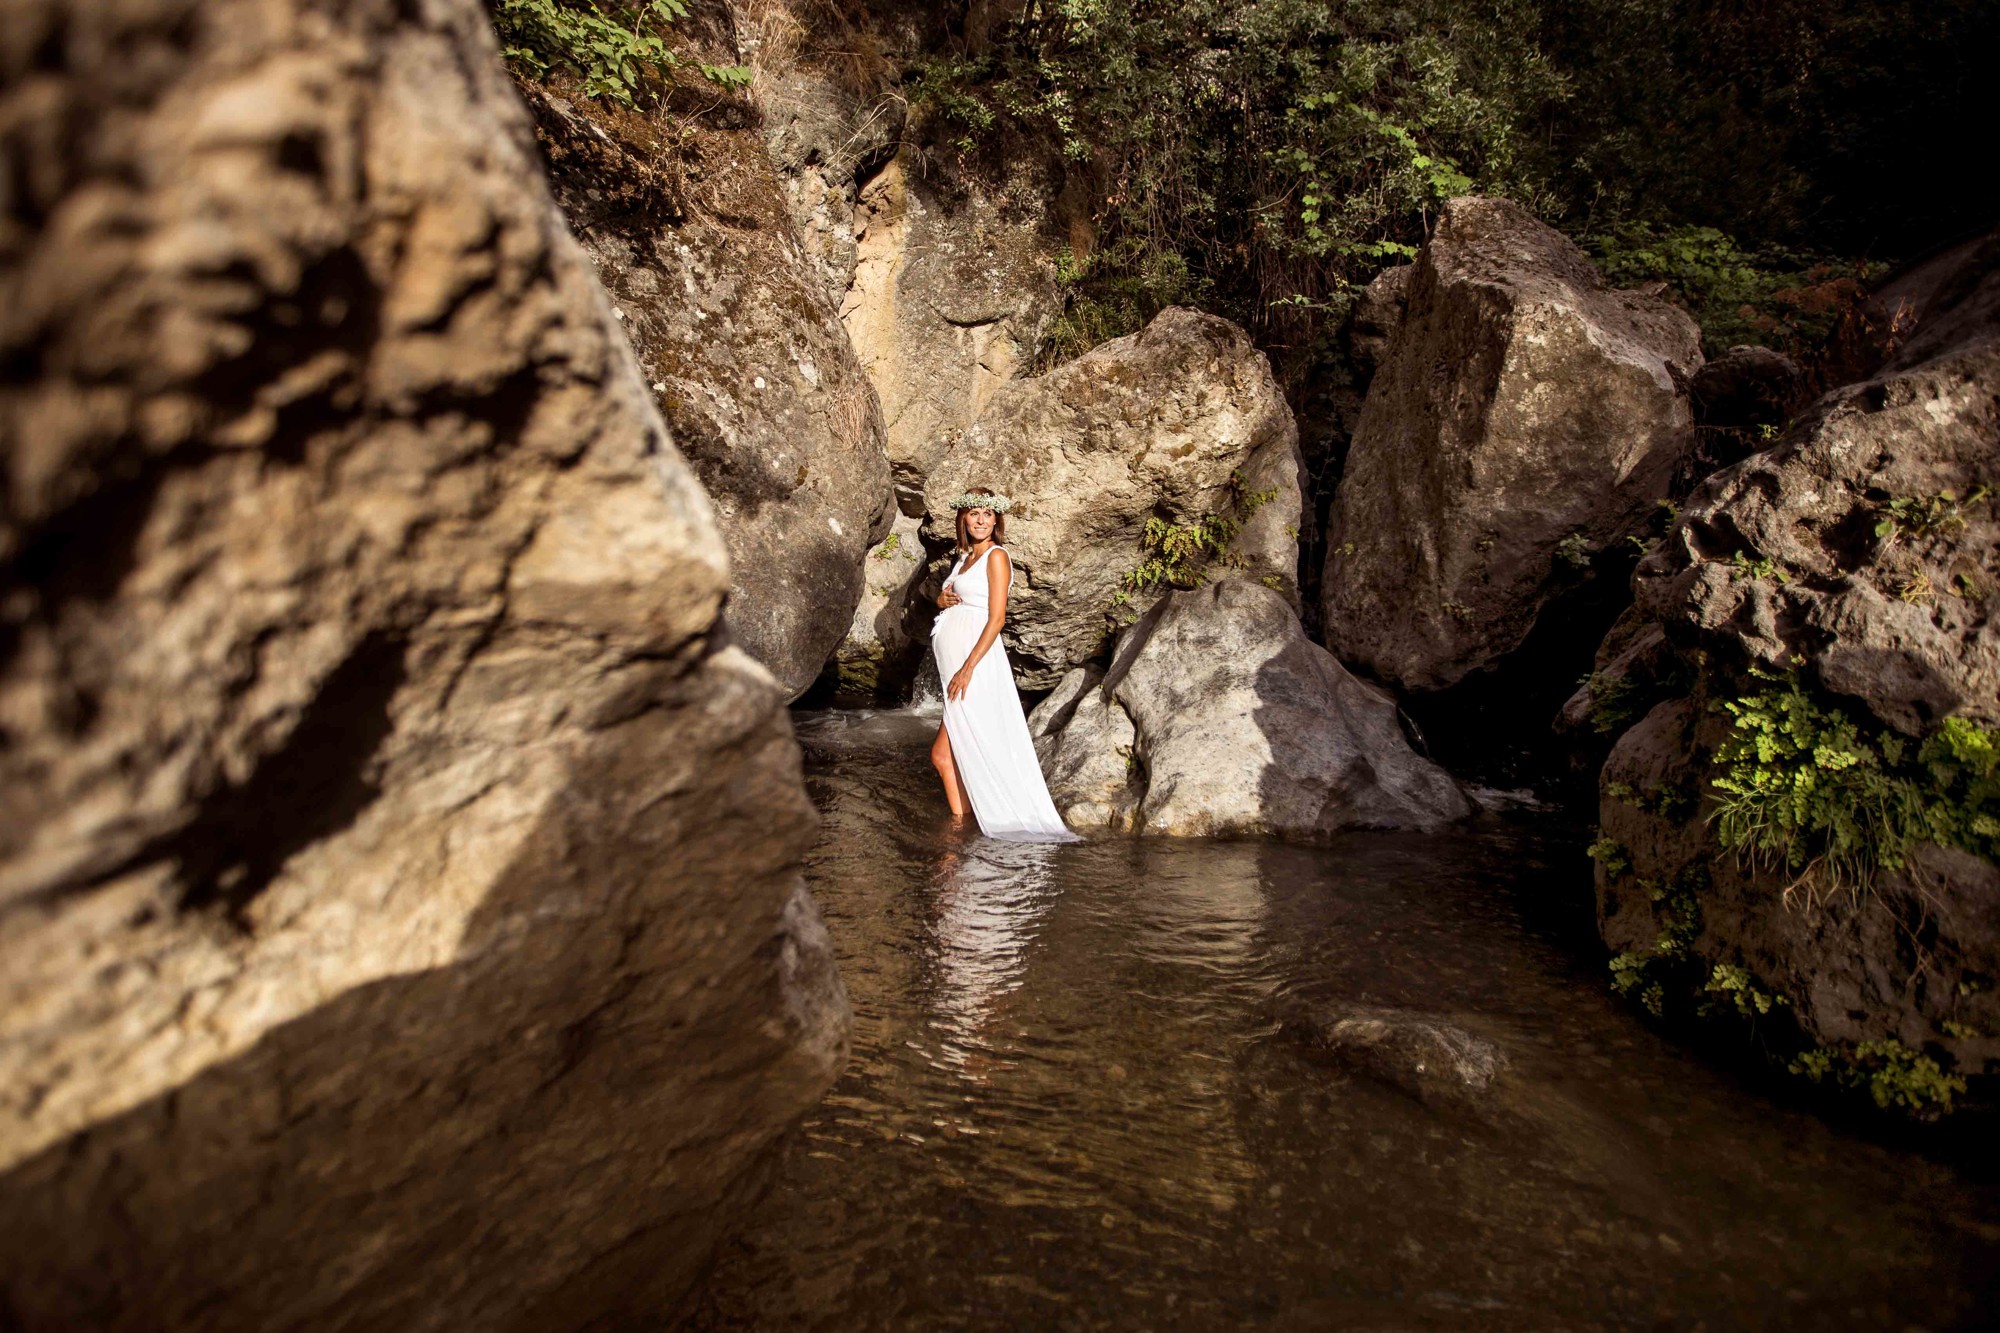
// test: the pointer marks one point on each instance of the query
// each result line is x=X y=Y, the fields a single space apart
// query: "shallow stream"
x=1074 y=1104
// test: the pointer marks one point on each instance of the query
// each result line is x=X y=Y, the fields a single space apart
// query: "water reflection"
x=988 y=899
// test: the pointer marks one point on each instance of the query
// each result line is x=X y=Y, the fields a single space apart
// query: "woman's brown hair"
x=999 y=524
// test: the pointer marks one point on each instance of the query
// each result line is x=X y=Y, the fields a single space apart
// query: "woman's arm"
x=999 y=577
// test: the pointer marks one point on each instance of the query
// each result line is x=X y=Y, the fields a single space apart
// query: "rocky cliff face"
x=951 y=293
x=1861 y=554
x=1524 y=419
x=943 y=275
x=400 y=920
x=688 y=224
x=1180 y=423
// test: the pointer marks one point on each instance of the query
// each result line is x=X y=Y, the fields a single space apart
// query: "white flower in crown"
x=999 y=504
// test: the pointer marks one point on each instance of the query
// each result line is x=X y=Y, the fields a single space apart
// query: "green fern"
x=1804 y=788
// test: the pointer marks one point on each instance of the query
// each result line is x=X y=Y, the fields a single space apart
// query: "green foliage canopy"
x=1265 y=157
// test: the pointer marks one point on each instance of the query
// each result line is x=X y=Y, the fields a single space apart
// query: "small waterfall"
x=927 y=691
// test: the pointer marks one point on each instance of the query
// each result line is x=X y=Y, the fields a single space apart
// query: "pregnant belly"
x=964 y=613
x=953 y=633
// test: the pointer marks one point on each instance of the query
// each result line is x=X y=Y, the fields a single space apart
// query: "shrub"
x=1804 y=788
x=1262 y=158
x=1771 y=296
x=1896 y=1077
x=619 y=53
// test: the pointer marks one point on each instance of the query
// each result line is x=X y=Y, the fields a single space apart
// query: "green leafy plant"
x=1743 y=567
x=1769 y=295
x=889 y=547
x=1667 y=801
x=1180 y=555
x=1621 y=698
x=1652 y=974
x=1574 y=551
x=1733 y=984
x=1262 y=159
x=1921 y=516
x=618 y=51
x=1803 y=787
x=1893 y=1075
x=1611 y=855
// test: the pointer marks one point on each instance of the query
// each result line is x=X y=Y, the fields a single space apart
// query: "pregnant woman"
x=982 y=751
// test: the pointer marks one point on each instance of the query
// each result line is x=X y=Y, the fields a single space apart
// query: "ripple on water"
x=1071 y=1105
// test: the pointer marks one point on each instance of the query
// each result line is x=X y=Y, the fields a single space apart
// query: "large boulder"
x=744 y=350
x=1181 y=423
x=1224 y=718
x=1862 y=554
x=1908 y=961
x=400 y=913
x=1862 y=545
x=1525 y=418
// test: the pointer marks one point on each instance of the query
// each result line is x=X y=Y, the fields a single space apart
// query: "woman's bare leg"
x=954 y=787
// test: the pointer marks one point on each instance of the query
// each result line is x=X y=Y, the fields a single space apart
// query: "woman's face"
x=979 y=522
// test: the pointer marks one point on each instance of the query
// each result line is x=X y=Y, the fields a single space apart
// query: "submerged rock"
x=1526 y=418
x=400 y=913
x=1180 y=423
x=1089 y=752
x=1219 y=716
x=1437 y=1062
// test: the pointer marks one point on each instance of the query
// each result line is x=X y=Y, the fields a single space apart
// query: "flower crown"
x=999 y=504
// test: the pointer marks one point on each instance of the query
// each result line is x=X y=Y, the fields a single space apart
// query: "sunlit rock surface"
x=400 y=919
x=1226 y=719
x=1180 y=422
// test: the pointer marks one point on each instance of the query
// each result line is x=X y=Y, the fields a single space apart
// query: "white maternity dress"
x=989 y=734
